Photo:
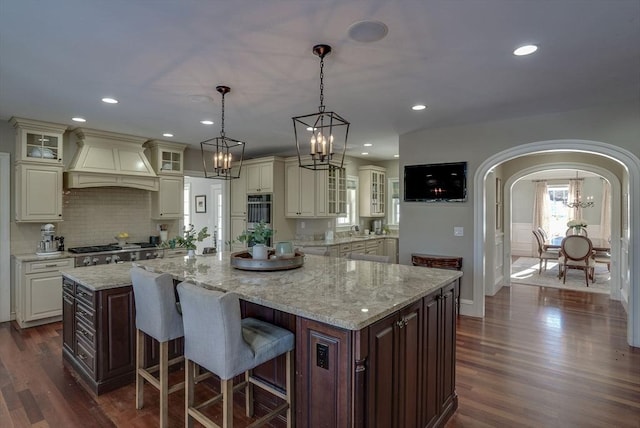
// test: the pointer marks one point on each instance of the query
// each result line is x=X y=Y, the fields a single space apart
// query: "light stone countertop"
x=33 y=257
x=339 y=241
x=344 y=293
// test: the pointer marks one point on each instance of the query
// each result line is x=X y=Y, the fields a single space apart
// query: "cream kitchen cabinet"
x=300 y=195
x=259 y=177
x=168 y=202
x=37 y=141
x=238 y=203
x=372 y=191
x=238 y=227
x=331 y=193
x=38 y=290
x=38 y=192
x=166 y=157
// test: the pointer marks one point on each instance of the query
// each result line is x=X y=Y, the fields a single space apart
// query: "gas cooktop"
x=110 y=247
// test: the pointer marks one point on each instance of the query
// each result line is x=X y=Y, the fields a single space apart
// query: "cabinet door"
x=448 y=346
x=431 y=351
x=38 y=192
x=43 y=295
x=383 y=364
x=238 y=204
x=410 y=365
x=116 y=330
x=40 y=147
x=260 y=178
x=300 y=191
x=238 y=226
x=168 y=201
x=68 y=316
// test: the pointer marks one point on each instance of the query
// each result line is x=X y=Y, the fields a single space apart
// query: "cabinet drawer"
x=85 y=314
x=358 y=247
x=345 y=248
x=371 y=244
x=87 y=333
x=86 y=356
x=85 y=295
x=48 y=265
x=68 y=287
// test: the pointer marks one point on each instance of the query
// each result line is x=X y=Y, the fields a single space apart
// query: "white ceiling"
x=58 y=59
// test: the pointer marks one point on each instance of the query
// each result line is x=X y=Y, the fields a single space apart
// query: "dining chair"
x=581 y=232
x=217 y=339
x=543 y=255
x=543 y=233
x=156 y=316
x=576 y=252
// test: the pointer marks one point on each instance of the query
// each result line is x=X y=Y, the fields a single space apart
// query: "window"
x=351 y=216
x=394 y=202
x=557 y=212
x=187 y=204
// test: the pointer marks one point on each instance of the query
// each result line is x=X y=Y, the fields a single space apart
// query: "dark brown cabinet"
x=395 y=366
x=98 y=335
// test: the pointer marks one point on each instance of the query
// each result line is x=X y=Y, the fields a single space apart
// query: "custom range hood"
x=109 y=159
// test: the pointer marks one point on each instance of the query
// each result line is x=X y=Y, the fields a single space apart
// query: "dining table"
x=599 y=244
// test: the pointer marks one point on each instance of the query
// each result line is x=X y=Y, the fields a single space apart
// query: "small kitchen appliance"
x=47 y=245
x=376 y=226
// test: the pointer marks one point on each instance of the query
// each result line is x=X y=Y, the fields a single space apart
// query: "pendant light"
x=577 y=198
x=321 y=138
x=222 y=156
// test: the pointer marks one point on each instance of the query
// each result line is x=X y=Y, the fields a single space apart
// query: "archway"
x=615 y=213
x=631 y=237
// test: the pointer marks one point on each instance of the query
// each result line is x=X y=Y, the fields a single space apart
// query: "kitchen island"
x=375 y=343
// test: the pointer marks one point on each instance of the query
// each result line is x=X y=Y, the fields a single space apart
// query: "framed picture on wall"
x=201 y=203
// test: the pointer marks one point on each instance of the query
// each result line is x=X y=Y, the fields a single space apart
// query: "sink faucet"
x=354 y=228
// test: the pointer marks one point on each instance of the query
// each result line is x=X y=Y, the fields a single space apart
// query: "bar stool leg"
x=289 y=381
x=226 y=387
x=139 y=366
x=248 y=393
x=164 y=384
x=189 y=370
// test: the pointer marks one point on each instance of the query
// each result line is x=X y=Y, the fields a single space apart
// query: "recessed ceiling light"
x=364 y=153
x=525 y=50
x=368 y=144
x=396 y=156
x=418 y=107
x=206 y=122
x=78 y=119
x=367 y=31
x=109 y=100
x=167 y=134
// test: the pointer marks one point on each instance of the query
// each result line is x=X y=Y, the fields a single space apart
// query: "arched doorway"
x=631 y=244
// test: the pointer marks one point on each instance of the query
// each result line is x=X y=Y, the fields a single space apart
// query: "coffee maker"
x=376 y=226
x=47 y=244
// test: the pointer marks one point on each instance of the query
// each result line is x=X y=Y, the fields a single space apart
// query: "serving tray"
x=242 y=260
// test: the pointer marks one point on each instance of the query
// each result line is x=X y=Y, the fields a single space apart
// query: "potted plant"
x=257 y=239
x=190 y=238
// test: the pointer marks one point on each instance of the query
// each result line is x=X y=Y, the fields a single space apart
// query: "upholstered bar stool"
x=158 y=317
x=217 y=339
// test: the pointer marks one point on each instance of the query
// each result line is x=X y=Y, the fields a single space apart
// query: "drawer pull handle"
x=82 y=356
x=82 y=313
x=54 y=265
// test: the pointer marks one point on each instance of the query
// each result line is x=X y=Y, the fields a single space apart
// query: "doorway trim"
x=615 y=214
x=625 y=157
x=5 y=204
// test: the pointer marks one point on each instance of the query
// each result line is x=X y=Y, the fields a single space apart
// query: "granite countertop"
x=33 y=257
x=339 y=241
x=345 y=293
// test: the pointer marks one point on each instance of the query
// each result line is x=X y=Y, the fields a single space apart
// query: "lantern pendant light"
x=321 y=138
x=222 y=156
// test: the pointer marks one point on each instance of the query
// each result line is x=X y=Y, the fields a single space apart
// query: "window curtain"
x=575 y=189
x=605 y=213
x=541 y=196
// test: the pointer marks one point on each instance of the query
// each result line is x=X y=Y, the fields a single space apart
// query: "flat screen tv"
x=437 y=182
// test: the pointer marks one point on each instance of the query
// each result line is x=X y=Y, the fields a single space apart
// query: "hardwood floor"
x=542 y=357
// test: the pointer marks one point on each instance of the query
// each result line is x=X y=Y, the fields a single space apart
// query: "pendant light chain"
x=321 y=108
x=222 y=121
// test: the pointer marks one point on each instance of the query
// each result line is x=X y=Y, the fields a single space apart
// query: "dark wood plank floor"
x=542 y=357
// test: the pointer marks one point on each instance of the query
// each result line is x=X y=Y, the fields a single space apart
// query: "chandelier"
x=222 y=156
x=321 y=138
x=577 y=199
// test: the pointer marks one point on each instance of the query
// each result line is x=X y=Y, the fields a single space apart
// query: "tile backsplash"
x=94 y=216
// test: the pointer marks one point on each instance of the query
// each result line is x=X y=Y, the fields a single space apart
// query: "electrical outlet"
x=322 y=356
x=458 y=231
